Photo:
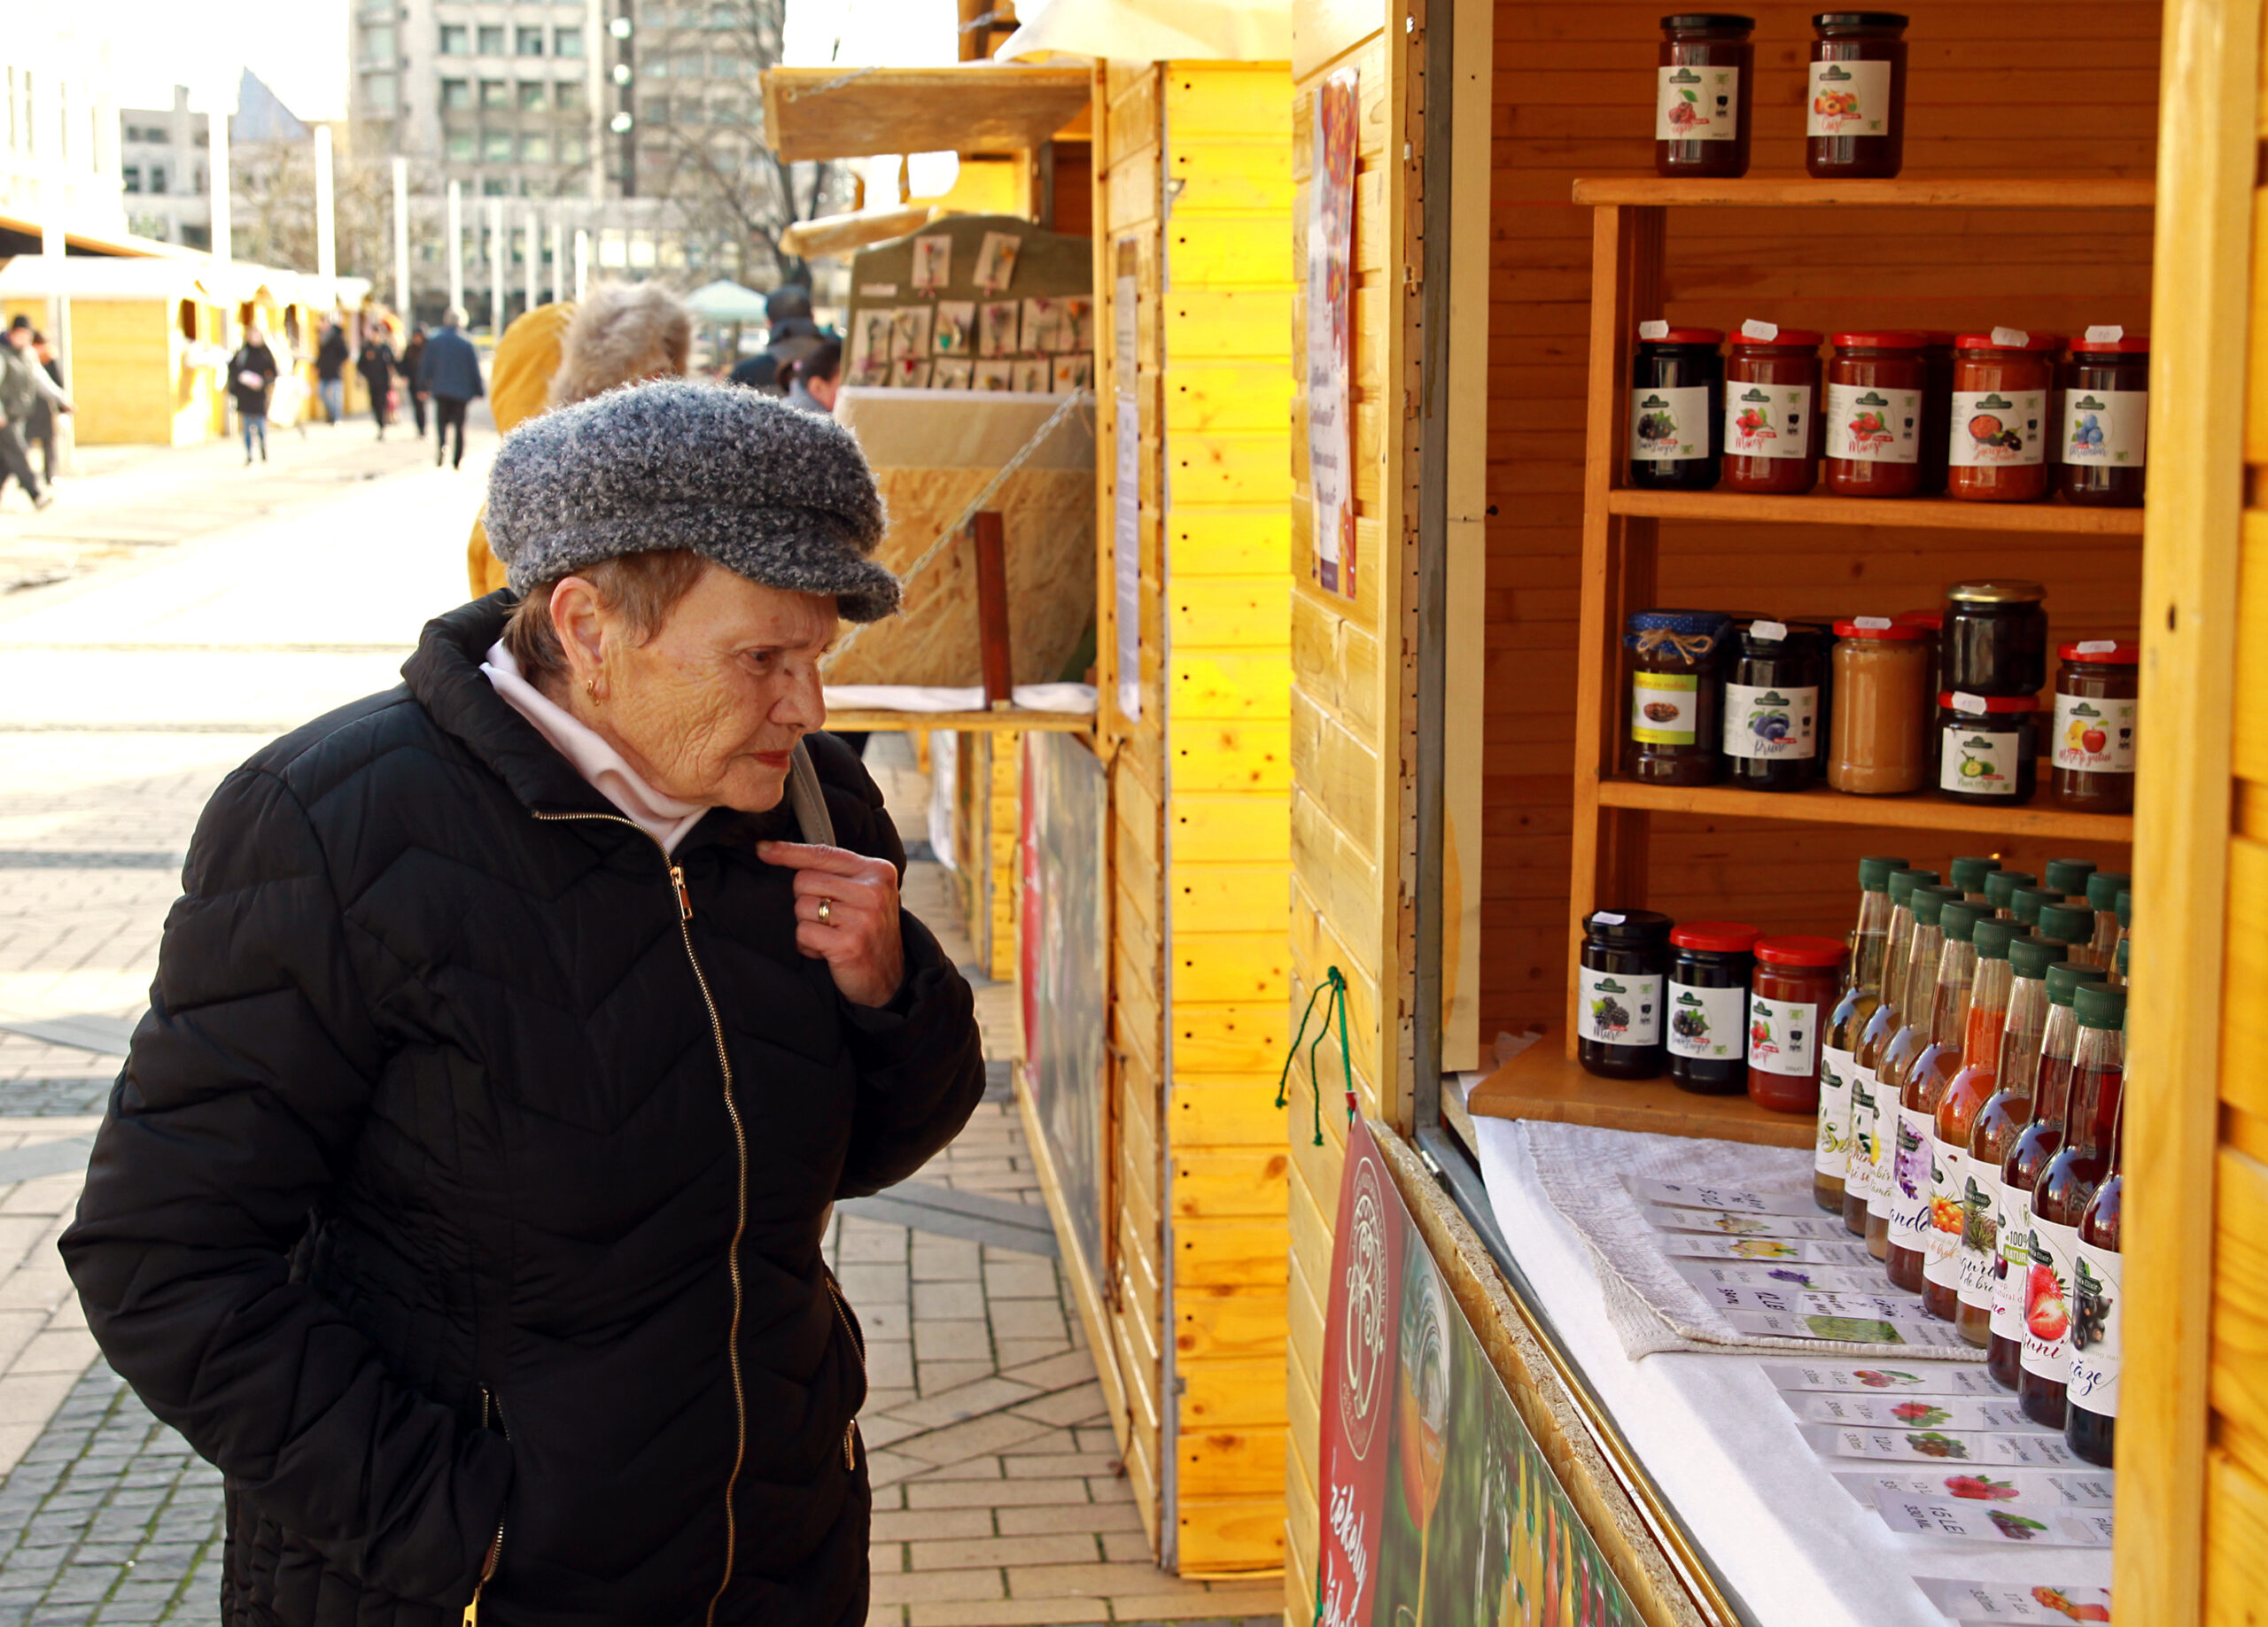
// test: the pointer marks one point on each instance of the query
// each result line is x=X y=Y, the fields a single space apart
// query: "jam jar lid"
x=1651 y=627
x=1985 y=706
x=1716 y=937
x=1770 y=336
x=1764 y=636
x=1880 y=627
x=2106 y=652
x=1687 y=21
x=1796 y=949
x=2112 y=341
x=2006 y=591
x=1629 y=928
x=1880 y=338
x=1664 y=333
x=2009 y=338
x=1858 y=19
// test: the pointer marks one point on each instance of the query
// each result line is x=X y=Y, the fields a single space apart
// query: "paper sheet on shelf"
x=950 y=698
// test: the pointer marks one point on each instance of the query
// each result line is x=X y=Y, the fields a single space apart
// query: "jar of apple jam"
x=2091 y=752
x=1877 y=385
x=1854 y=116
x=2107 y=419
x=1771 y=406
x=2002 y=386
x=1702 y=87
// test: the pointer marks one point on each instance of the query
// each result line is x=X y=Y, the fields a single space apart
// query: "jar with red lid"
x=2091 y=748
x=2002 y=386
x=1798 y=981
x=1854 y=114
x=1701 y=93
x=1771 y=404
x=1937 y=412
x=2106 y=419
x=1988 y=747
x=1677 y=397
x=1708 y=1006
x=1875 y=390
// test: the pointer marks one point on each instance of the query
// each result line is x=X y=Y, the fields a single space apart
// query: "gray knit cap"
x=773 y=493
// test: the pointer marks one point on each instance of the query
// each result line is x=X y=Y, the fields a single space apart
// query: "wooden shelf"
x=1822 y=805
x=1906 y=193
x=1820 y=508
x=1544 y=1083
x=973 y=723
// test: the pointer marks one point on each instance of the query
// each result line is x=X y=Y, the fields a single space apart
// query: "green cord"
x=1332 y=992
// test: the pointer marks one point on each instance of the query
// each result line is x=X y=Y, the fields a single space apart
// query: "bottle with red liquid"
x=2091 y=1402
x=1904 y=1165
x=2034 y=1145
x=1868 y=1162
x=2060 y=1200
x=1913 y=1204
x=1960 y=1202
x=1997 y=1123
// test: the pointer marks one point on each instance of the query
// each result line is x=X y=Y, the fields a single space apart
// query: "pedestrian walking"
x=41 y=433
x=814 y=388
x=252 y=376
x=451 y=374
x=463 y=1192
x=330 y=370
x=413 y=358
x=377 y=365
x=23 y=385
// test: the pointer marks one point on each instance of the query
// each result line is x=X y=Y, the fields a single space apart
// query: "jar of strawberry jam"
x=1854 y=114
x=1771 y=406
x=1875 y=385
x=1701 y=95
x=2002 y=386
x=2106 y=419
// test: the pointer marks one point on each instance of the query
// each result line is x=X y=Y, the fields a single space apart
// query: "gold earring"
x=591 y=688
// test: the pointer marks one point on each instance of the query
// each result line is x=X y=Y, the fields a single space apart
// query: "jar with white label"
x=1701 y=94
x=1676 y=688
x=1677 y=403
x=2091 y=744
x=1877 y=393
x=1797 y=981
x=2107 y=419
x=2091 y=1395
x=1708 y=1006
x=1619 y=977
x=2003 y=391
x=1854 y=109
x=1987 y=747
x=1772 y=720
x=1771 y=410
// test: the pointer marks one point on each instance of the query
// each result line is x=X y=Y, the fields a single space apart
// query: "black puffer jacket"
x=420 y=1209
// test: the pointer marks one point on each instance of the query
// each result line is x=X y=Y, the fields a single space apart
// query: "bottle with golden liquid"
x=1972 y=1071
x=1998 y=1120
x=1915 y=1031
x=1867 y=1162
x=1861 y=994
x=1912 y=1203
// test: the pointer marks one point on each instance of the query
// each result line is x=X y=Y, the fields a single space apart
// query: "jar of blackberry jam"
x=1620 y=977
x=1708 y=1006
x=1677 y=403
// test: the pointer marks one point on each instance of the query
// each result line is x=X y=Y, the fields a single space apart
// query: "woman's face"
x=709 y=709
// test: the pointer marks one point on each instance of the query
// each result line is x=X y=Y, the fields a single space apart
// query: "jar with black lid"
x=1677 y=404
x=1619 y=978
x=1772 y=685
x=1989 y=748
x=1677 y=695
x=1994 y=642
x=1701 y=95
x=1855 y=113
x=1708 y=1006
x=2106 y=419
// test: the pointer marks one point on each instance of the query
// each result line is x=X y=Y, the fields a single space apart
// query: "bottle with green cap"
x=1913 y=1215
x=2066 y=877
x=2124 y=911
x=2035 y=1144
x=2060 y=1197
x=2006 y=1075
x=2000 y=887
x=2025 y=903
x=1861 y=994
x=1870 y=1164
x=1969 y=875
x=1916 y=1027
x=1961 y=1200
x=2071 y=924
x=2103 y=888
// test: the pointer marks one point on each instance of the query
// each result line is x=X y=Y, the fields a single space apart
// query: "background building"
x=58 y=129
x=164 y=155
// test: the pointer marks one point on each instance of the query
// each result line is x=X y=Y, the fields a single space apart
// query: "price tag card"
x=1721 y=1197
x=2010 y=1451
x=1706 y=1275
x=1921 y=1334
x=1694 y=1245
x=2029 y=1490
x=1932 y=1378
x=1726 y=1224
x=1958 y=1413
x=1800 y=1303
x=1925 y=1517
x=1997 y=1602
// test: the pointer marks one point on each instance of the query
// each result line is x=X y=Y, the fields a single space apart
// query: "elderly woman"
x=463 y=1194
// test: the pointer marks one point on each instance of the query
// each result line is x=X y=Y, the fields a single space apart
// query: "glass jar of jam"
x=1771 y=408
x=1677 y=403
x=1881 y=710
x=1701 y=93
x=1708 y=1006
x=1772 y=693
x=1988 y=747
x=2003 y=383
x=1937 y=412
x=2090 y=749
x=1797 y=982
x=1619 y=978
x=1876 y=387
x=1855 y=113
x=1994 y=638
x=1676 y=696
x=2106 y=419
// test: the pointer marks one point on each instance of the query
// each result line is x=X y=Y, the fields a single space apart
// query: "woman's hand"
x=846 y=915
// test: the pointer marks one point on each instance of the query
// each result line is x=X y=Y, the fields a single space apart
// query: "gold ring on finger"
x=826 y=910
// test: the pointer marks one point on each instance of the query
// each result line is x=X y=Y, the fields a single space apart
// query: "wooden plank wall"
x=1571 y=97
x=1225 y=397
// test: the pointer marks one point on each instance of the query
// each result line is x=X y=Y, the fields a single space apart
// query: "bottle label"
x=1866 y=1134
x=1621 y=1008
x=1911 y=1187
x=2093 y=737
x=2014 y=1236
x=1704 y=1024
x=1664 y=709
x=1832 y=1154
x=2106 y=429
x=1993 y=429
x=1767 y=723
x=1782 y=1037
x=1849 y=98
x=1694 y=101
x=1767 y=420
x=1668 y=425
x=2094 y=1329
x=1977 y=763
x=1948 y=1174
x=1980 y=1232
x=1868 y=424
x=2047 y=1300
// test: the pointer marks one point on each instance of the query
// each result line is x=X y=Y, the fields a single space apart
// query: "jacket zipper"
x=740 y=1215
x=495 y=1543
x=850 y=1429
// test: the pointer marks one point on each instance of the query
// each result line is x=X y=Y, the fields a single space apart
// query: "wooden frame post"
x=988 y=534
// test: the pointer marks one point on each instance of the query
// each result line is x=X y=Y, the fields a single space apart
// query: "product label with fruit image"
x=2060 y=1604
x=2014 y=1233
x=1765 y=723
x=1868 y=1173
x=1621 y=1008
x=1868 y=424
x=2106 y=429
x=2093 y=736
x=1669 y=425
x=1704 y=1024
x=1975 y=764
x=2035 y=1449
x=2047 y=1300
x=1911 y=1188
x=1848 y=99
x=1831 y=1150
x=2024 y=1489
x=1782 y=1037
x=1664 y=709
x=1697 y=102
x=1997 y=430
x=1980 y=1232
x=1948 y=1171
x=1767 y=420
x=2049 y=1528
x=2094 y=1331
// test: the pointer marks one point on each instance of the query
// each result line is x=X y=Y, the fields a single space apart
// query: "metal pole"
x=582 y=261
x=495 y=269
x=535 y=257
x=558 y=256
x=456 y=245
x=326 y=214
x=401 y=240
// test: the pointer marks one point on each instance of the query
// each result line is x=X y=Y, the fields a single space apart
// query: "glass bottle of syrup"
x=2028 y=1155
x=1961 y=1203
x=1861 y=994
x=1867 y=1162
x=1970 y=875
x=2103 y=888
x=2025 y=902
x=2060 y=1198
x=2090 y=1402
x=2071 y=924
x=2124 y=912
x=2067 y=878
x=1997 y=1123
x=1913 y=1204
x=1915 y=1031
x=2000 y=890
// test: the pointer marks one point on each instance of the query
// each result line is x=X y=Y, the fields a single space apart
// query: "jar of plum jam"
x=2107 y=419
x=1854 y=114
x=2003 y=382
x=1701 y=95
x=1772 y=713
x=1798 y=981
x=1771 y=410
x=1877 y=389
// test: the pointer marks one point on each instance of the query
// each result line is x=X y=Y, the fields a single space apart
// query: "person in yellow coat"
x=558 y=355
